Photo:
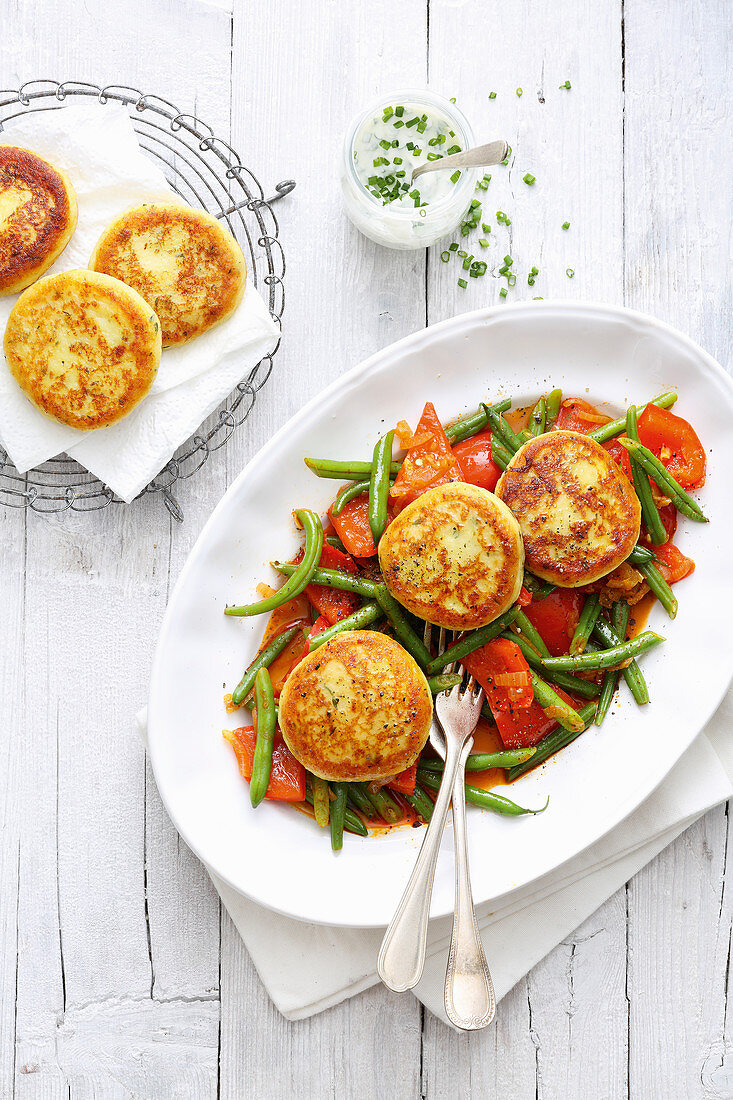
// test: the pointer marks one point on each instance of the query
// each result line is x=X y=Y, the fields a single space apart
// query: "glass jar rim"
x=424 y=97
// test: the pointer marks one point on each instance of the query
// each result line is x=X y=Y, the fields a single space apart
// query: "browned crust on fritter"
x=401 y=553
x=211 y=270
x=38 y=231
x=602 y=526
x=390 y=699
x=105 y=381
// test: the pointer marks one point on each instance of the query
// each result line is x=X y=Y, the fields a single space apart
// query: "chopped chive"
x=453 y=149
x=456 y=176
x=483 y=242
x=511 y=280
x=452 y=247
x=566 y=225
x=465 y=230
x=529 y=179
x=508 y=154
x=503 y=292
x=416 y=151
x=421 y=127
x=467 y=262
x=569 y=272
x=453 y=99
x=441 y=139
x=492 y=95
x=462 y=252
x=478 y=268
x=463 y=283
x=501 y=217
x=508 y=261
x=400 y=175
x=410 y=145
x=388 y=112
x=415 y=194
x=399 y=111
x=534 y=271
x=486 y=228
x=474 y=204
x=397 y=160
x=445 y=256
x=386 y=144
x=379 y=161
x=538 y=298
x=434 y=156
x=566 y=85
x=398 y=123
x=519 y=93
x=530 y=280
x=412 y=122
x=433 y=141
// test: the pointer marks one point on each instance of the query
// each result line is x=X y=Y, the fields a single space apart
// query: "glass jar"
x=375 y=148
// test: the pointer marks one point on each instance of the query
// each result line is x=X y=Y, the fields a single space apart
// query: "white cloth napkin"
x=98 y=149
x=307 y=968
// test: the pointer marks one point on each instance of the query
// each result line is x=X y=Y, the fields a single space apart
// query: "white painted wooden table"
x=120 y=976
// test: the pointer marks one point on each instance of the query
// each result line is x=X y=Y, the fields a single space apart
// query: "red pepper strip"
x=405 y=781
x=476 y=461
x=675 y=443
x=352 y=527
x=429 y=464
x=674 y=565
x=287 y=777
x=497 y=658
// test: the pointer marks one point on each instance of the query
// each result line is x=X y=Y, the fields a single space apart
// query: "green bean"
x=365 y=615
x=345 y=471
x=607 y=658
x=354 y=824
x=640 y=554
x=482 y=761
x=500 y=455
x=348 y=493
x=321 y=800
x=608 y=636
x=486 y=713
x=619 y=622
x=301 y=574
x=615 y=427
x=334 y=578
x=649 y=510
x=531 y=633
x=474 y=422
x=266 y=722
x=472 y=641
x=476 y=796
x=404 y=632
x=337 y=544
x=659 y=587
x=499 y=426
x=632 y=673
x=360 y=800
x=565 y=680
x=554 y=706
x=538 y=418
x=552 y=408
x=263 y=660
x=444 y=681
x=554 y=741
x=668 y=485
x=586 y=622
x=338 y=815
x=379 y=485
x=383 y=803
x=421 y=803
x=538 y=588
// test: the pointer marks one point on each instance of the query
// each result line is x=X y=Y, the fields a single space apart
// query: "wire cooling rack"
x=204 y=171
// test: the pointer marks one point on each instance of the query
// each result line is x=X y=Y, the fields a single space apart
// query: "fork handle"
x=402 y=954
x=469 y=997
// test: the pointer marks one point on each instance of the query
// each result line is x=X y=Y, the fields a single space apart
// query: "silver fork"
x=469 y=993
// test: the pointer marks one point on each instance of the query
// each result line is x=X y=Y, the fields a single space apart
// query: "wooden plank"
x=102 y=921
x=298 y=77
x=677 y=203
x=562 y=1032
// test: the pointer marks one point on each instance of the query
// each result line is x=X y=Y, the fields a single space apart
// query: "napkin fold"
x=98 y=149
x=308 y=968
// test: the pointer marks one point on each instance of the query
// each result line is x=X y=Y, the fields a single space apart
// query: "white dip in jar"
x=382 y=147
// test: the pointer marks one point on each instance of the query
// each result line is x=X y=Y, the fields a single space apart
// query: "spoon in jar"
x=482 y=156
